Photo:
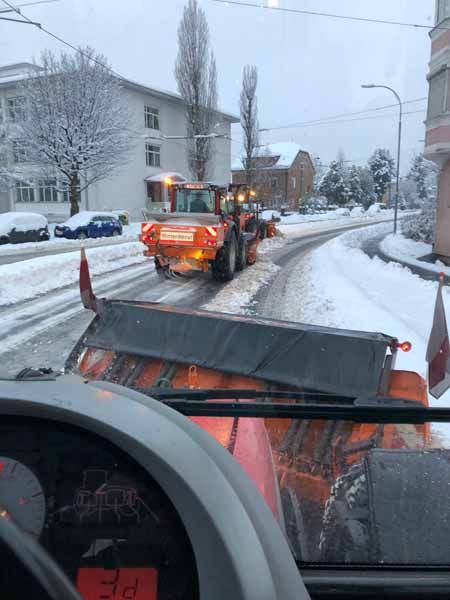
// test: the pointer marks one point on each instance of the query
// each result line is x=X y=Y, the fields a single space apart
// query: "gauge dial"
x=22 y=498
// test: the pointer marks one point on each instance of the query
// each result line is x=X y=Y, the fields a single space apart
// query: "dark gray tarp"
x=318 y=358
x=410 y=508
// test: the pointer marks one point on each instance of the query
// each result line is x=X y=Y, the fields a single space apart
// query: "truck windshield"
x=194 y=201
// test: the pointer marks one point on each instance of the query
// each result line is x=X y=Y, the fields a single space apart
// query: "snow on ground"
x=130 y=232
x=237 y=296
x=30 y=278
x=338 y=285
x=400 y=248
x=297 y=225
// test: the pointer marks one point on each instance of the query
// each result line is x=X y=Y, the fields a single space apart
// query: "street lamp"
x=397 y=185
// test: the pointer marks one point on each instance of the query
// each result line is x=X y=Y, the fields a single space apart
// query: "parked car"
x=18 y=227
x=88 y=224
x=342 y=212
x=358 y=211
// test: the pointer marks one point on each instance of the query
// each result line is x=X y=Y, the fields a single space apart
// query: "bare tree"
x=76 y=121
x=196 y=75
x=249 y=119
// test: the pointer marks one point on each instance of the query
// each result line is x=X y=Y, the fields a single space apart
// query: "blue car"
x=88 y=224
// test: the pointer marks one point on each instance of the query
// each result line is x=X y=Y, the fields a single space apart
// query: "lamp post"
x=397 y=184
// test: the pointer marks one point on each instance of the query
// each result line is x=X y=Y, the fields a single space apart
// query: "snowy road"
x=41 y=332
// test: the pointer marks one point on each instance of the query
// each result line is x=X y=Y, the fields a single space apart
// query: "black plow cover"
x=316 y=358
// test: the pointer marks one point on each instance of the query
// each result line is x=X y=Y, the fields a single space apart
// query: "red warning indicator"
x=118 y=584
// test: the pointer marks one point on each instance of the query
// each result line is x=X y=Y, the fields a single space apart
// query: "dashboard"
x=99 y=514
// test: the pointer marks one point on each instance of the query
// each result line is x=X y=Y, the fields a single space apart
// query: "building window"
x=152 y=155
x=274 y=183
x=24 y=192
x=151 y=117
x=1 y=111
x=16 y=108
x=437 y=100
x=48 y=191
x=19 y=149
x=63 y=192
x=293 y=182
x=443 y=10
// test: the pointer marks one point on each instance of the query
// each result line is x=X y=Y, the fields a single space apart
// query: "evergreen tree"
x=334 y=186
x=382 y=167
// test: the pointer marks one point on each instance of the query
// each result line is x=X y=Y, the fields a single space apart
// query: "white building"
x=139 y=184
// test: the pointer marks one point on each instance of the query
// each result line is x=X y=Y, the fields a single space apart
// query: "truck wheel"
x=345 y=536
x=241 y=259
x=224 y=265
x=262 y=230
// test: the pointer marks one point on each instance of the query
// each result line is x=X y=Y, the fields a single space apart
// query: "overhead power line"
x=348 y=114
x=59 y=39
x=330 y=15
x=16 y=6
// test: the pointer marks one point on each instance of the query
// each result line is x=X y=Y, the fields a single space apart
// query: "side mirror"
x=27 y=571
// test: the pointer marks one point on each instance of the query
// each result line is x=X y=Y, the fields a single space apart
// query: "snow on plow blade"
x=304 y=356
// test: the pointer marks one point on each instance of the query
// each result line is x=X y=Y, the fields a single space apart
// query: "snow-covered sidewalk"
x=338 y=285
x=31 y=278
x=408 y=251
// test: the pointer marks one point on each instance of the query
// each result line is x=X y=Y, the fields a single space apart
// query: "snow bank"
x=21 y=221
x=408 y=251
x=374 y=209
x=358 y=211
x=130 y=232
x=340 y=286
x=37 y=276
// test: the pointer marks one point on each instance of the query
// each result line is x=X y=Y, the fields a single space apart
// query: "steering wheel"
x=27 y=571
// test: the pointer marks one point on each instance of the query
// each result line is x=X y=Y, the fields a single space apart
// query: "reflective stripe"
x=211 y=231
x=146 y=227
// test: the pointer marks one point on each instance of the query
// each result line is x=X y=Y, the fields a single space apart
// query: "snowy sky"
x=309 y=67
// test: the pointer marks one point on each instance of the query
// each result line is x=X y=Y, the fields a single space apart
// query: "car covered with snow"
x=358 y=211
x=343 y=212
x=374 y=208
x=18 y=227
x=89 y=224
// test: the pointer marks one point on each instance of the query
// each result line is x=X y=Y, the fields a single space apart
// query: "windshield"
x=285 y=162
x=194 y=201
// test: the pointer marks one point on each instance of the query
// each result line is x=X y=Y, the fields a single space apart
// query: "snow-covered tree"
x=382 y=166
x=196 y=76
x=249 y=118
x=424 y=174
x=354 y=185
x=334 y=186
x=421 y=227
x=368 y=196
x=408 y=193
x=76 y=121
x=319 y=173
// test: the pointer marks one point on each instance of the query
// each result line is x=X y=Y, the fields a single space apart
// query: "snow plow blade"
x=322 y=359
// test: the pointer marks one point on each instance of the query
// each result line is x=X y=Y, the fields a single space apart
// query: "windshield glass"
x=284 y=162
x=194 y=201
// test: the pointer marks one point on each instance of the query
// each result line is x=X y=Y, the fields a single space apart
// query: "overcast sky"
x=309 y=67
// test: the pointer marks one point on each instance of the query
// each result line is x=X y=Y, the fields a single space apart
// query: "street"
x=40 y=332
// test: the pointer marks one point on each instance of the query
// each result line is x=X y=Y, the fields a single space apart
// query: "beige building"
x=437 y=143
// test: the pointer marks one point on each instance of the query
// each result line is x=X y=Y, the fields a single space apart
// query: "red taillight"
x=404 y=346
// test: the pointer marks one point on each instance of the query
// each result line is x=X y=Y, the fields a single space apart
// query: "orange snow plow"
x=205 y=230
x=246 y=381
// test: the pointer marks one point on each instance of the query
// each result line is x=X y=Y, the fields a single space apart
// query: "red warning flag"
x=87 y=295
x=438 y=351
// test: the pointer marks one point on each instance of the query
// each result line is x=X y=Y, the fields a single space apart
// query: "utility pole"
x=397 y=186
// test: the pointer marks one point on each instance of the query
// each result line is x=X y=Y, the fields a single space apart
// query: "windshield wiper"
x=308 y=405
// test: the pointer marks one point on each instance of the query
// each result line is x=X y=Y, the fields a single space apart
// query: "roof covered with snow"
x=284 y=154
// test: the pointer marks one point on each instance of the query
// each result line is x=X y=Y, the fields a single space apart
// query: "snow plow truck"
x=209 y=228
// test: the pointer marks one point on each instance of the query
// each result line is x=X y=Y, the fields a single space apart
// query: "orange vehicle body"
x=277 y=453
x=190 y=241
